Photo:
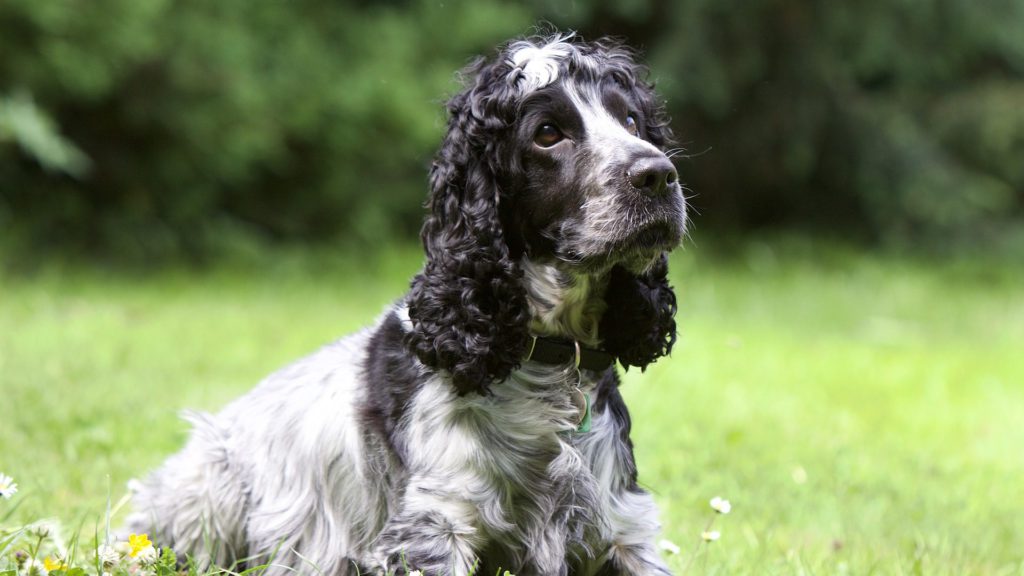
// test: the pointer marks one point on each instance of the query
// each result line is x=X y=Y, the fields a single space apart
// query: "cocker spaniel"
x=478 y=424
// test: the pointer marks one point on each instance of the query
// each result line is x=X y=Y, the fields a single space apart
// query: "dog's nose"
x=652 y=175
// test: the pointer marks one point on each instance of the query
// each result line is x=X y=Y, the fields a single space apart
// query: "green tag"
x=585 y=423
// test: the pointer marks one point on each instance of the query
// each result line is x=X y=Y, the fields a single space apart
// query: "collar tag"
x=585 y=423
x=580 y=401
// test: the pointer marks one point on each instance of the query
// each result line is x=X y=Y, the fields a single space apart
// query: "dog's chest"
x=538 y=485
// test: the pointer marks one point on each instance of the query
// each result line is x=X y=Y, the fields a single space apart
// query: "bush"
x=145 y=127
x=893 y=121
x=295 y=120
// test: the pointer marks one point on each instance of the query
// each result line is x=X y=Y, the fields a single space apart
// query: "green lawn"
x=864 y=414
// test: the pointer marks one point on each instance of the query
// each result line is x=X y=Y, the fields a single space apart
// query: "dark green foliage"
x=300 y=119
x=894 y=120
x=146 y=127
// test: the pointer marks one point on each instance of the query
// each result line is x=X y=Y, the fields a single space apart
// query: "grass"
x=863 y=413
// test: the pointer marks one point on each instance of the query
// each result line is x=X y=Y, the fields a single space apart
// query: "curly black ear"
x=639 y=325
x=468 y=306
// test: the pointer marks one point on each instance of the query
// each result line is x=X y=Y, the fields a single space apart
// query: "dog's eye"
x=548 y=135
x=631 y=125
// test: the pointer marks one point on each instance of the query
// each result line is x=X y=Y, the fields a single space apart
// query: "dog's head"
x=555 y=151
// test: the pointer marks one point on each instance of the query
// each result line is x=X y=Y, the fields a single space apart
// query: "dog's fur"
x=426 y=442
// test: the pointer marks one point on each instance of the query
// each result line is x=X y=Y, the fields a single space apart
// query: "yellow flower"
x=52 y=564
x=138 y=543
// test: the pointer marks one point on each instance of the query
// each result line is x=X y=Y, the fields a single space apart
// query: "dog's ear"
x=468 y=306
x=639 y=325
x=657 y=129
x=622 y=64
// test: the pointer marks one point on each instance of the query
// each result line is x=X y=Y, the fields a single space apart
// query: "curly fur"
x=468 y=304
x=641 y=327
x=427 y=441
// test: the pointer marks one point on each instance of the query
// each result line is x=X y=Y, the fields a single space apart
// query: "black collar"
x=557 y=351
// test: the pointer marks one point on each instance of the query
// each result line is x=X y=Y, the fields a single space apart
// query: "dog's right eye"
x=547 y=135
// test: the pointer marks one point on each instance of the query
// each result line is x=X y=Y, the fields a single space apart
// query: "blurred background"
x=195 y=193
x=142 y=130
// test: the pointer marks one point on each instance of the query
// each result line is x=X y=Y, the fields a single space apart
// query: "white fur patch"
x=537 y=66
x=402 y=311
x=562 y=304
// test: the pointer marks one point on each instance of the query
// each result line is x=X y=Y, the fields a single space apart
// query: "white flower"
x=122 y=548
x=33 y=567
x=146 y=556
x=668 y=546
x=7 y=486
x=799 y=475
x=720 y=505
x=48 y=528
x=415 y=573
x=109 y=557
x=710 y=535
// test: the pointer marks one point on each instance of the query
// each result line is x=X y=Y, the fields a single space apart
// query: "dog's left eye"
x=548 y=135
x=631 y=125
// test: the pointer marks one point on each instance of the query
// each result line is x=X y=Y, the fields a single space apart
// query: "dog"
x=478 y=425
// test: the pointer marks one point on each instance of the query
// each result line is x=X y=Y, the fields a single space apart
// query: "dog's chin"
x=655 y=237
x=635 y=250
x=641 y=248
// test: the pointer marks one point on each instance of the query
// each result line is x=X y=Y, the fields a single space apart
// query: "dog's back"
x=280 y=468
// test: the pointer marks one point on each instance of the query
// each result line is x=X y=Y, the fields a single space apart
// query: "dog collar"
x=557 y=351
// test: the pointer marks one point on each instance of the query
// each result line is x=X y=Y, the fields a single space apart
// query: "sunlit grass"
x=862 y=413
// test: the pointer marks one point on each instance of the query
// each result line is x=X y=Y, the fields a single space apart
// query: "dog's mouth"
x=657 y=235
x=648 y=239
x=634 y=249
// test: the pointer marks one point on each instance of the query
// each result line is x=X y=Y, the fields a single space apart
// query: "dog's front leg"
x=631 y=517
x=633 y=520
x=435 y=531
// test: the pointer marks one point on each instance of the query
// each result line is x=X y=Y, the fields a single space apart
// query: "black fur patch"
x=393 y=379
x=639 y=325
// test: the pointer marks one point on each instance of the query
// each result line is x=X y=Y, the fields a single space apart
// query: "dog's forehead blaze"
x=589 y=101
x=602 y=112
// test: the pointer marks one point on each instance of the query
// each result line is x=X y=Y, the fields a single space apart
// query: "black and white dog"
x=478 y=425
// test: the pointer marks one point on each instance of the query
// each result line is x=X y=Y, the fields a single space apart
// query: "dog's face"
x=593 y=187
x=554 y=150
